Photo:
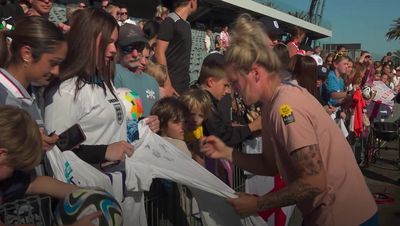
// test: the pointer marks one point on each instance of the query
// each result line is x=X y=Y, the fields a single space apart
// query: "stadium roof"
x=224 y=12
x=219 y=12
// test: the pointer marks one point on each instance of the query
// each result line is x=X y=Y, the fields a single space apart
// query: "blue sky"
x=357 y=21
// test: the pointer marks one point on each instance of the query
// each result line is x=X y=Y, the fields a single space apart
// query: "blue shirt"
x=334 y=84
x=143 y=84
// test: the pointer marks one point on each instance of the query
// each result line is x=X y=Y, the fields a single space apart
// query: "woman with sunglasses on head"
x=369 y=75
x=85 y=94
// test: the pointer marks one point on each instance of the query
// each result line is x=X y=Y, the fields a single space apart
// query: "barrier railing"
x=170 y=204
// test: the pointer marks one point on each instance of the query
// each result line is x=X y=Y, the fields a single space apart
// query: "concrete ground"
x=383 y=176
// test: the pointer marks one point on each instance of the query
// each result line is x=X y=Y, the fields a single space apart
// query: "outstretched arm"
x=310 y=182
x=50 y=186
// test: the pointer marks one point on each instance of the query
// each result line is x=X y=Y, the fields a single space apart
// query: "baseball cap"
x=271 y=27
x=322 y=72
x=129 y=33
x=318 y=59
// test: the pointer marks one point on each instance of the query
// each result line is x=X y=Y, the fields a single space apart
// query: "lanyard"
x=14 y=89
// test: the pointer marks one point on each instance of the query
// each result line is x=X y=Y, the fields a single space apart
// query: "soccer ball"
x=82 y=202
x=132 y=103
x=367 y=92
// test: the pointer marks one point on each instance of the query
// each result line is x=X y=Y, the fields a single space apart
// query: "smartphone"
x=71 y=138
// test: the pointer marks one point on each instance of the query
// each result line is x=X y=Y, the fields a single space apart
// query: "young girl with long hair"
x=86 y=94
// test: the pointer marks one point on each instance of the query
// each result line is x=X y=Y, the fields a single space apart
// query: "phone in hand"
x=71 y=138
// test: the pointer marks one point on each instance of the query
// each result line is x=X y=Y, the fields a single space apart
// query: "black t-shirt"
x=177 y=32
x=217 y=45
x=14 y=187
x=216 y=125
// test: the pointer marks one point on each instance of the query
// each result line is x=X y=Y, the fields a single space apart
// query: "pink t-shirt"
x=294 y=120
x=224 y=39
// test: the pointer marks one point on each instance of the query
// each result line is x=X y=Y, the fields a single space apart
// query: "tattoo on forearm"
x=308 y=163
x=285 y=197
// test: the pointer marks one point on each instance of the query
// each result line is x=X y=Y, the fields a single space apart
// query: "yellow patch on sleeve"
x=286 y=112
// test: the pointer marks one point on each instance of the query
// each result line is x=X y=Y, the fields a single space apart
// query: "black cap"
x=271 y=27
x=129 y=33
x=322 y=72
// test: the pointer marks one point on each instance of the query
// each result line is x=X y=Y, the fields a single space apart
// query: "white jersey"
x=157 y=158
x=102 y=117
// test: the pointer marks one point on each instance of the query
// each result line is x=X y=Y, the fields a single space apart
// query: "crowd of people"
x=54 y=76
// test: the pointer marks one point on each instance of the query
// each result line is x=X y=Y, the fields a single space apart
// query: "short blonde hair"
x=161 y=11
x=158 y=71
x=20 y=135
x=197 y=98
x=248 y=46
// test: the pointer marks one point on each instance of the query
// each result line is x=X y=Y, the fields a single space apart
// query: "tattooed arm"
x=311 y=182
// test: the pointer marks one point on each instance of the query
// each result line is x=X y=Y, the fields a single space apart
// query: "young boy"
x=212 y=79
x=172 y=114
x=199 y=104
x=20 y=152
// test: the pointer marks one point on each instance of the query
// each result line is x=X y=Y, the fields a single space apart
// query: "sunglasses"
x=129 y=48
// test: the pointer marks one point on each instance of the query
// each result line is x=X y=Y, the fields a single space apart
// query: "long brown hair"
x=305 y=72
x=83 y=61
x=38 y=33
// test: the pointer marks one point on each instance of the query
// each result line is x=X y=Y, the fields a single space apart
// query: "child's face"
x=6 y=171
x=196 y=118
x=175 y=129
x=218 y=88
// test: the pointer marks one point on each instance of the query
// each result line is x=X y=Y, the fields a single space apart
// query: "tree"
x=394 y=30
x=396 y=57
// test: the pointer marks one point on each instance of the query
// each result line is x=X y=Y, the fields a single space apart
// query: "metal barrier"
x=169 y=204
x=32 y=210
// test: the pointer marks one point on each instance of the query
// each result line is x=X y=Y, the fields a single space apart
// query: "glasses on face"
x=123 y=13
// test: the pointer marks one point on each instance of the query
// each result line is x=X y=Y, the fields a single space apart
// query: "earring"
x=26 y=61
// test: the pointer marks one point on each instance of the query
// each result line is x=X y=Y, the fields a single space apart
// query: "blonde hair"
x=197 y=98
x=161 y=11
x=158 y=71
x=20 y=135
x=249 y=45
